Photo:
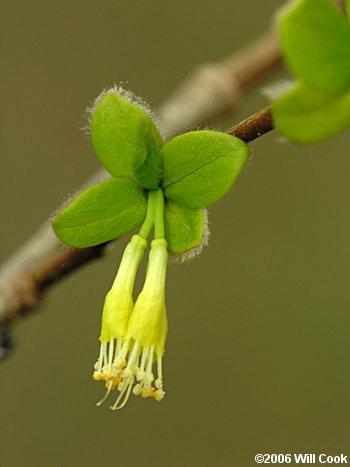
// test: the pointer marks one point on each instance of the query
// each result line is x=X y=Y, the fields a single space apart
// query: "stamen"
x=158 y=395
x=143 y=359
x=98 y=364
x=126 y=388
x=106 y=395
x=159 y=367
x=140 y=375
x=137 y=389
x=133 y=357
x=104 y=354
x=110 y=352
x=118 y=346
x=127 y=395
x=122 y=350
x=150 y=360
x=117 y=370
x=148 y=378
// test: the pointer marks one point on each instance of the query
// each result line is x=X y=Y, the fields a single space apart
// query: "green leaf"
x=200 y=167
x=146 y=161
x=184 y=227
x=305 y=115
x=347 y=7
x=315 y=39
x=103 y=212
x=120 y=131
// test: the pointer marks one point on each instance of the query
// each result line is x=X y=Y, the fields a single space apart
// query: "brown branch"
x=254 y=126
x=209 y=92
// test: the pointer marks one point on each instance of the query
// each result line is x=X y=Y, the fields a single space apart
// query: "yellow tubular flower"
x=116 y=313
x=145 y=336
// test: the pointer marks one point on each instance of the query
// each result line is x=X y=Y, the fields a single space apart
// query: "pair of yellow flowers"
x=133 y=336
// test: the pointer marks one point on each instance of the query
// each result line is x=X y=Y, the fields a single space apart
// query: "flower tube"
x=146 y=333
x=116 y=312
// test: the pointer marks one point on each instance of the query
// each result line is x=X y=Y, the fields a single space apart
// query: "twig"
x=206 y=94
x=254 y=126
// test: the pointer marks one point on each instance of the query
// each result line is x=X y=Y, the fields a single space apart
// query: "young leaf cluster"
x=315 y=39
x=194 y=170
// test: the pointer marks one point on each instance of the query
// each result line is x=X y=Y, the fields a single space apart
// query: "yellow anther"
x=137 y=389
x=158 y=383
x=158 y=395
x=147 y=392
x=115 y=381
x=140 y=375
x=97 y=376
x=148 y=378
x=122 y=364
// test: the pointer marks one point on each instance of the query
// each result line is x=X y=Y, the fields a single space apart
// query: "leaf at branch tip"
x=200 y=167
x=315 y=39
x=103 y=212
x=184 y=227
x=305 y=115
x=120 y=131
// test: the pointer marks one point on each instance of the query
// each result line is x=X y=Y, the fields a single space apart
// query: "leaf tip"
x=125 y=94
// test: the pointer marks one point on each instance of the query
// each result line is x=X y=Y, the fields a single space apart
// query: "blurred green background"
x=258 y=353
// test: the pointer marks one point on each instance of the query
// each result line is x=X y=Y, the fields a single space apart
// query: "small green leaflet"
x=305 y=115
x=315 y=39
x=123 y=136
x=184 y=227
x=103 y=212
x=146 y=162
x=200 y=167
